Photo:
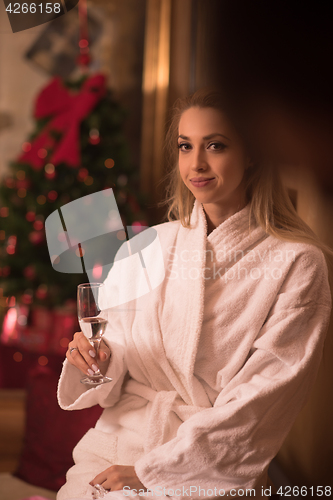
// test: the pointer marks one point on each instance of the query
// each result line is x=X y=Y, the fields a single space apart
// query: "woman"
x=211 y=368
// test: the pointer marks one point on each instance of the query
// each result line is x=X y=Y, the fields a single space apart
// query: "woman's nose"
x=199 y=161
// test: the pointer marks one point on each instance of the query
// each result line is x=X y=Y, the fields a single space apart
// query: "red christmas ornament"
x=10 y=182
x=36 y=237
x=94 y=140
x=24 y=184
x=38 y=225
x=29 y=272
x=30 y=216
x=83 y=59
x=83 y=173
x=6 y=271
x=52 y=195
x=41 y=292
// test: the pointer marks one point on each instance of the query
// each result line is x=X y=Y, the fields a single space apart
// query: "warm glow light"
x=83 y=43
x=4 y=211
x=21 y=193
x=49 y=168
x=94 y=132
x=121 y=235
x=42 y=360
x=38 y=225
x=17 y=356
x=20 y=175
x=9 y=323
x=42 y=153
x=109 y=163
x=30 y=216
x=52 y=195
x=55 y=259
x=97 y=271
x=88 y=180
x=64 y=342
x=80 y=252
x=41 y=199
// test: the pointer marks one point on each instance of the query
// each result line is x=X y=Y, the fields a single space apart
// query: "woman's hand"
x=117 y=476
x=81 y=354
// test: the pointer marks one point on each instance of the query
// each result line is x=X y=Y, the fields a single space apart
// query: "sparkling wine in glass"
x=92 y=323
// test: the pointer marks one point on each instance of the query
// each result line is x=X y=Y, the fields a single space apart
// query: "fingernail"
x=90 y=372
x=95 y=368
x=92 y=354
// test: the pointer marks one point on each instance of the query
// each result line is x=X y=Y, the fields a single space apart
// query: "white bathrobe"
x=209 y=369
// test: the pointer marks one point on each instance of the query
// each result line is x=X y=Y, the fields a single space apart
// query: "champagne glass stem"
x=96 y=345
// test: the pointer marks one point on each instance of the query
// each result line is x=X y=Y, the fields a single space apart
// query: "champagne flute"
x=92 y=323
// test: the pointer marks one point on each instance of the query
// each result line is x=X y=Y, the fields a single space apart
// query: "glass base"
x=95 y=380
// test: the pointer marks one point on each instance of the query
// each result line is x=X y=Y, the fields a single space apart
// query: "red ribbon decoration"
x=68 y=110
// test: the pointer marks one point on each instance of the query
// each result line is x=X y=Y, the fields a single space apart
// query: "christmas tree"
x=77 y=148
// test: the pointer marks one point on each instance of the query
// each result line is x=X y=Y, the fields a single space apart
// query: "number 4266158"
x=32 y=8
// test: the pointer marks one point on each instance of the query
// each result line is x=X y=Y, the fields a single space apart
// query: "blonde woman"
x=211 y=368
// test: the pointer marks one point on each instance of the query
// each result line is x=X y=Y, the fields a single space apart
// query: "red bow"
x=67 y=111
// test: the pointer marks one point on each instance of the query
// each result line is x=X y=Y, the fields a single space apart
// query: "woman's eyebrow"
x=210 y=136
x=206 y=138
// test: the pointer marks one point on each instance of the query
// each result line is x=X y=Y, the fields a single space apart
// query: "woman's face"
x=212 y=158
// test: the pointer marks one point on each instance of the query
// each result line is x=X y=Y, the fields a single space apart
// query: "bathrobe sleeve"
x=231 y=444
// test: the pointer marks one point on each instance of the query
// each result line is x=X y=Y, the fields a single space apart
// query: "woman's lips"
x=201 y=182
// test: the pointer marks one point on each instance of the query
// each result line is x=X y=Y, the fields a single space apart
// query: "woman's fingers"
x=104 y=355
x=81 y=354
x=117 y=477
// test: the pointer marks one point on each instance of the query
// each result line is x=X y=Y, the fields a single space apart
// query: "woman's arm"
x=232 y=444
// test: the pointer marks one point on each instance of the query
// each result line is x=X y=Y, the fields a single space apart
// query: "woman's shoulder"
x=299 y=250
x=307 y=268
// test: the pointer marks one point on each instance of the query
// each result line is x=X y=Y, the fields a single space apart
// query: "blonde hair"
x=269 y=201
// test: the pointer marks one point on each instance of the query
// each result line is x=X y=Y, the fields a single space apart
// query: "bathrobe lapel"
x=232 y=240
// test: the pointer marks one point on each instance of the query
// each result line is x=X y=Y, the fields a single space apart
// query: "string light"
x=4 y=211
x=49 y=168
x=10 y=183
x=21 y=193
x=52 y=195
x=38 y=225
x=41 y=199
x=42 y=153
x=42 y=360
x=122 y=180
x=121 y=235
x=20 y=175
x=17 y=356
x=30 y=216
x=83 y=173
x=109 y=163
x=83 y=43
x=88 y=180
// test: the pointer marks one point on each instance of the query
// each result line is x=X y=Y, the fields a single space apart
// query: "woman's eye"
x=184 y=146
x=217 y=146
